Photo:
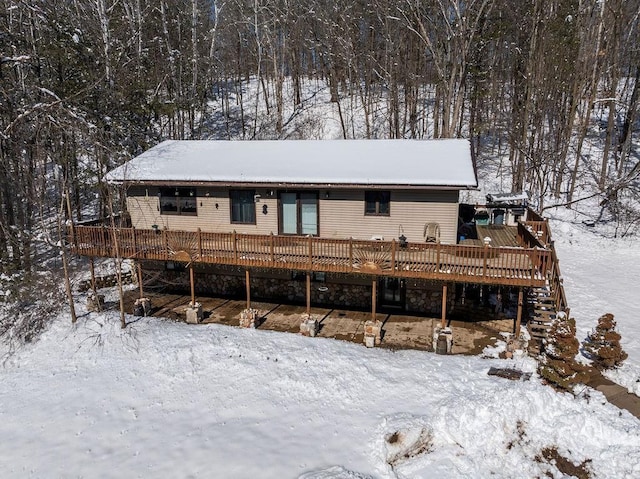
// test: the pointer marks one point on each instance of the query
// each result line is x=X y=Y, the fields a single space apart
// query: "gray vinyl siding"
x=341 y=214
x=143 y=205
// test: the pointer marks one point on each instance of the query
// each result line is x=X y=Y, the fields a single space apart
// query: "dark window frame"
x=251 y=195
x=377 y=198
x=180 y=197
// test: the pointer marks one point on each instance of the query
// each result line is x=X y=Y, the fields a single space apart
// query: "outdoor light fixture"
x=155 y=228
x=264 y=209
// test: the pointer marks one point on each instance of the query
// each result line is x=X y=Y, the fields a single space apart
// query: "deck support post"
x=374 y=294
x=193 y=286
x=308 y=294
x=519 y=315
x=247 y=280
x=443 y=320
x=139 y=267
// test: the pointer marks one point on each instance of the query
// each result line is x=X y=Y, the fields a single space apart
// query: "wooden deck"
x=501 y=235
x=501 y=265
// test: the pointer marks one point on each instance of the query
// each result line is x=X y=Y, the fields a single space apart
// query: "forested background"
x=86 y=84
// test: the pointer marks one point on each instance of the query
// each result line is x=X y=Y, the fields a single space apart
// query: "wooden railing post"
x=486 y=258
x=310 y=252
x=165 y=244
x=135 y=242
x=271 y=255
x=103 y=240
x=438 y=246
x=350 y=254
x=235 y=247
x=199 y=244
x=393 y=254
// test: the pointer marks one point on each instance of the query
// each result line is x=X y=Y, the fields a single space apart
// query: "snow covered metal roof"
x=434 y=163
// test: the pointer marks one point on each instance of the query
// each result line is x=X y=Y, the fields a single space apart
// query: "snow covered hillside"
x=601 y=275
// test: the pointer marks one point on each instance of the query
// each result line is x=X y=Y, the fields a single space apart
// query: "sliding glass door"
x=298 y=213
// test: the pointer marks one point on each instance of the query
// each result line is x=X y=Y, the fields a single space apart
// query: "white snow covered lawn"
x=163 y=399
x=602 y=275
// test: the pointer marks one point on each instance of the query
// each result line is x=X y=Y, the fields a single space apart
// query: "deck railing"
x=526 y=266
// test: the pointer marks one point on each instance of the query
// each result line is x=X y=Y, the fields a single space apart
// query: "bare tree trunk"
x=63 y=254
x=118 y=262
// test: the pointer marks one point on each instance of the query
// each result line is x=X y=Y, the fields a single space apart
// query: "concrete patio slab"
x=399 y=331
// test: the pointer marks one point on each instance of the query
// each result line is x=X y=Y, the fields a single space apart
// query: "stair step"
x=545 y=310
x=538 y=328
x=539 y=322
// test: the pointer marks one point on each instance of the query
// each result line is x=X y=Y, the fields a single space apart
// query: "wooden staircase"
x=542 y=303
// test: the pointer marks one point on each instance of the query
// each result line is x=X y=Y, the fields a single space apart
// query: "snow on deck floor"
x=166 y=399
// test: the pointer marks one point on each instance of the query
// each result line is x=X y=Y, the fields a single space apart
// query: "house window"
x=376 y=203
x=243 y=207
x=178 y=201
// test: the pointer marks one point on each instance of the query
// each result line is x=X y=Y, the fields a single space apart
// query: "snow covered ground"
x=601 y=275
x=162 y=399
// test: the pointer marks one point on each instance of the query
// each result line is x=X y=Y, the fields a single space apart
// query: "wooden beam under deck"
x=374 y=298
x=308 y=294
x=519 y=314
x=443 y=319
x=247 y=279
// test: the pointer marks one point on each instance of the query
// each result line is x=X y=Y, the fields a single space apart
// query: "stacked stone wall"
x=336 y=290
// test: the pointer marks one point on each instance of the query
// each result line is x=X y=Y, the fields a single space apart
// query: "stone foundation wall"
x=337 y=290
x=426 y=297
x=108 y=281
x=226 y=282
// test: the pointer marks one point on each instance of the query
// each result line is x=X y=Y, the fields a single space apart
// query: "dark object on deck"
x=482 y=217
x=508 y=373
x=498 y=217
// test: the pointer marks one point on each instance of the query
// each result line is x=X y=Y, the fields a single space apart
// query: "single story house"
x=371 y=223
x=361 y=189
